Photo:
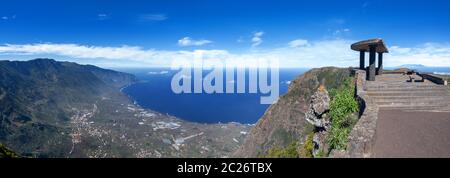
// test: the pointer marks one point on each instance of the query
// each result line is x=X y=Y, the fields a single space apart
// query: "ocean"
x=427 y=69
x=154 y=92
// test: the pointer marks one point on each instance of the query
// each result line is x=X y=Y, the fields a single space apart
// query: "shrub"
x=342 y=104
x=308 y=147
x=321 y=154
x=337 y=138
x=7 y=153
x=289 y=152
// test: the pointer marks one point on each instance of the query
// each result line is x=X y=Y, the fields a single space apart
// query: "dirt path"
x=412 y=134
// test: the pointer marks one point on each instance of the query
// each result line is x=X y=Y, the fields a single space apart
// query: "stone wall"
x=362 y=137
x=433 y=78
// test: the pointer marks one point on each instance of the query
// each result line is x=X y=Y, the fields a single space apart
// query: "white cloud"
x=400 y=50
x=240 y=39
x=298 y=42
x=341 y=31
x=153 y=17
x=430 y=54
x=8 y=17
x=319 y=53
x=102 y=16
x=187 y=41
x=158 y=73
x=130 y=56
x=257 y=38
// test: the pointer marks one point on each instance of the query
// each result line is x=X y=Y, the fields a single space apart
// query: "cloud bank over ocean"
x=296 y=53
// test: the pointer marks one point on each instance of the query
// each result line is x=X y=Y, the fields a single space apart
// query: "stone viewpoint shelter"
x=404 y=113
x=372 y=46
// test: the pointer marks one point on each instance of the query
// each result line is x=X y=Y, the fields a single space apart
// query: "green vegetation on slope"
x=294 y=149
x=284 y=123
x=342 y=105
x=288 y=152
x=308 y=147
x=343 y=109
x=7 y=153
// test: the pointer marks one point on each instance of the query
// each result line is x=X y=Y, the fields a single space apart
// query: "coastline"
x=135 y=103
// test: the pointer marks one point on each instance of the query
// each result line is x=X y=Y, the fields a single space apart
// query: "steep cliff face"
x=284 y=122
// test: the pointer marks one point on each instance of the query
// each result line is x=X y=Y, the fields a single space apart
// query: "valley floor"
x=114 y=127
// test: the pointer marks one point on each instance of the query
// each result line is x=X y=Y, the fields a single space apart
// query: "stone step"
x=406 y=94
x=408 y=90
x=427 y=110
x=411 y=104
x=400 y=82
x=412 y=98
x=406 y=87
x=403 y=84
x=418 y=108
x=422 y=110
x=412 y=89
x=394 y=92
x=407 y=101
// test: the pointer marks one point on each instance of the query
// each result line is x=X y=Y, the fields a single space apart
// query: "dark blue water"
x=154 y=92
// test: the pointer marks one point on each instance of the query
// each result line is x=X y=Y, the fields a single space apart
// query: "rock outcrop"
x=317 y=116
x=318 y=107
x=320 y=142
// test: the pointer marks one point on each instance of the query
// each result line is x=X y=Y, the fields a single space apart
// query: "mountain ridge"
x=62 y=109
x=39 y=95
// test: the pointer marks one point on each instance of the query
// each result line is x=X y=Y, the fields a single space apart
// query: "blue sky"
x=155 y=31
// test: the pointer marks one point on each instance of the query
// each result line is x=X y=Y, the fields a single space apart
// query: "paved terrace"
x=396 y=91
x=413 y=117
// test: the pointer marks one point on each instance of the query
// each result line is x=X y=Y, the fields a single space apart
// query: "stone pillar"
x=372 y=54
x=380 y=64
x=362 y=64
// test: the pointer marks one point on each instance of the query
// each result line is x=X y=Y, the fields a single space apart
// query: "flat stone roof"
x=364 y=45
